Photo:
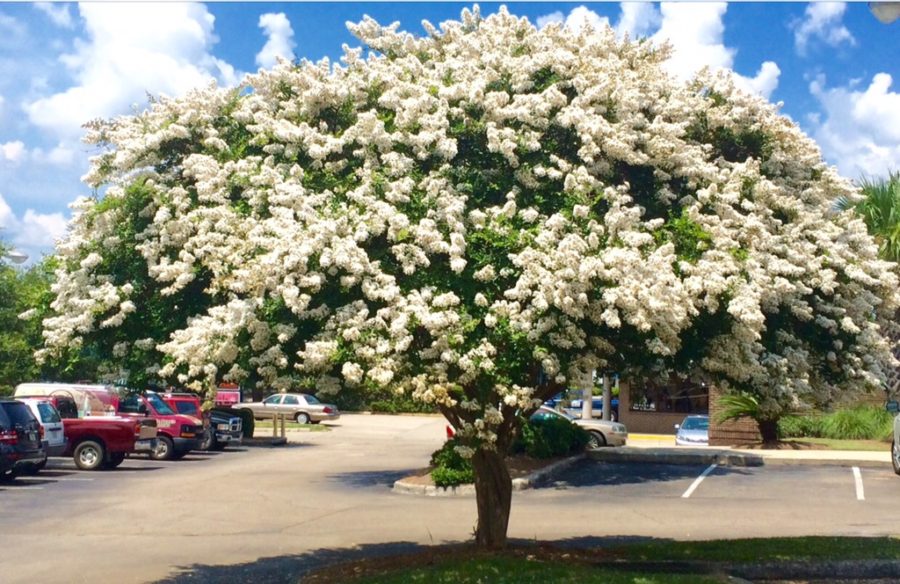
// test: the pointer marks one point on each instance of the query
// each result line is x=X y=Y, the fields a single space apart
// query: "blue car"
x=692 y=431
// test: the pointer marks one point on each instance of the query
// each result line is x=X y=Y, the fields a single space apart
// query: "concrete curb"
x=530 y=481
x=773 y=461
x=674 y=456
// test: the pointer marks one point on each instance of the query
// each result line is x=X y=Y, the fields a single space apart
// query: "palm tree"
x=880 y=209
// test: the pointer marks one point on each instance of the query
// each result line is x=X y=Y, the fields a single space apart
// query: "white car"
x=895 y=443
x=53 y=436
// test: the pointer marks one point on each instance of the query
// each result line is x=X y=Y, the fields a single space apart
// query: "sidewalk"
x=661 y=448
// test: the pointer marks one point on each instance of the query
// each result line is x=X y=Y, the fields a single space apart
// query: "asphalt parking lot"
x=268 y=514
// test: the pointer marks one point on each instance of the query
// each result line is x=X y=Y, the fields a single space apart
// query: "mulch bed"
x=519 y=466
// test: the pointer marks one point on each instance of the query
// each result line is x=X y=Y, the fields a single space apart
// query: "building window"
x=676 y=396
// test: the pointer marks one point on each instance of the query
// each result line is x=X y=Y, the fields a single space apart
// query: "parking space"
x=825 y=484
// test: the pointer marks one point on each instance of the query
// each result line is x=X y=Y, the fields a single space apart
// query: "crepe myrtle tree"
x=476 y=217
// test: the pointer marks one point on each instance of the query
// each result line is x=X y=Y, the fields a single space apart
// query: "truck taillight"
x=9 y=437
x=137 y=428
x=41 y=432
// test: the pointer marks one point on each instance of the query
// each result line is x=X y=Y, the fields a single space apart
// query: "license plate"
x=32 y=436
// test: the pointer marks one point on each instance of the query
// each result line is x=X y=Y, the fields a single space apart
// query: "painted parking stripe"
x=698 y=480
x=20 y=488
x=54 y=479
x=857 y=477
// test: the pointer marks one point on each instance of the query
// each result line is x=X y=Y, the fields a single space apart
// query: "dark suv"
x=20 y=439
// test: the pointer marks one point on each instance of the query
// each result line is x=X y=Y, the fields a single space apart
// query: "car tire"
x=302 y=418
x=895 y=456
x=209 y=440
x=596 y=440
x=165 y=449
x=33 y=469
x=115 y=459
x=89 y=455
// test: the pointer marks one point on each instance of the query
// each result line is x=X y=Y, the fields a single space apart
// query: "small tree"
x=477 y=217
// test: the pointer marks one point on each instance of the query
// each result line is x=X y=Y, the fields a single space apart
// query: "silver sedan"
x=302 y=407
x=602 y=433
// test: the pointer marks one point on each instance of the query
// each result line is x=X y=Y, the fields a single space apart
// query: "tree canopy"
x=478 y=217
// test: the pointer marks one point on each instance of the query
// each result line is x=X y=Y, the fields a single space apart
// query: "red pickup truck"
x=103 y=441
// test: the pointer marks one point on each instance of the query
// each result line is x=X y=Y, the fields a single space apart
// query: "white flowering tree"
x=476 y=217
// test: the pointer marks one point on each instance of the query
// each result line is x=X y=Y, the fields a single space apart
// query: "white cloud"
x=695 y=32
x=12 y=152
x=58 y=13
x=61 y=155
x=543 y=21
x=822 y=21
x=764 y=83
x=577 y=19
x=859 y=130
x=132 y=49
x=582 y=16
x=280 y=41
x=638 y=19
x=34 y=233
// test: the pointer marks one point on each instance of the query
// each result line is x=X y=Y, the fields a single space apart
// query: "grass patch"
x=832 y=444
x=660 y=561
x=764 y=549
x=512 y=570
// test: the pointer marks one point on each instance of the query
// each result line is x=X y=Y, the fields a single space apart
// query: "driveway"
x=268 y=514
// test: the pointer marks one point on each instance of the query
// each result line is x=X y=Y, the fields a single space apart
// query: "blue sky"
x=834 y=66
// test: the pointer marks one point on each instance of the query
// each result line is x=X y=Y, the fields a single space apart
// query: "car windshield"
x=185 y=407
x=161 y=407
x=696 y=424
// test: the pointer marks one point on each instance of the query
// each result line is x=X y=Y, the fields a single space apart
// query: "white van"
x=53 y=435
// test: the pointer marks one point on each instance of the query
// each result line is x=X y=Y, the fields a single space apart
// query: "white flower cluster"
x=471 y=215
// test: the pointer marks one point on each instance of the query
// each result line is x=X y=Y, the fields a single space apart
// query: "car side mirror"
x=892 y=406
x=678 y=426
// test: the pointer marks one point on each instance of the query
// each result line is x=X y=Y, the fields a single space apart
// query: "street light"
x=886 y=12
x=16 y=256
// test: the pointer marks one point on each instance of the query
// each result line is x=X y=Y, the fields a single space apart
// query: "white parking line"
x=19 y=488
x=698 y=480
x=857 y=476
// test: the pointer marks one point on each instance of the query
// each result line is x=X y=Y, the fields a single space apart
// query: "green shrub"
x=549 y=438
x=449 y=468
x=800 y=427
x=359 y=399
x=859 y=423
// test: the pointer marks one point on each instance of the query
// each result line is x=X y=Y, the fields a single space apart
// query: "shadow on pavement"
x=285 y=569
x=373 y=478
x=595 y=474
x=292 y=568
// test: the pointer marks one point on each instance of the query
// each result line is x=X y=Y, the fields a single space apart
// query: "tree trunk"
x=768 y=429
x=493 y=492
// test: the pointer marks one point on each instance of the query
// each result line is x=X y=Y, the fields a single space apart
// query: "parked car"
x=302 y=407
x=692 y=431
x=103 y=442
x=20 y=440
x=894 y=408
x=220 y=428
x=602 y=432
x=178 y=433
x=53 y=436
x=596 y=408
